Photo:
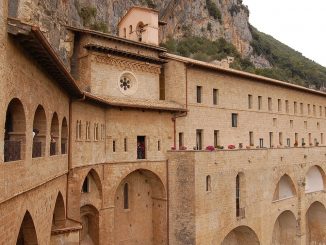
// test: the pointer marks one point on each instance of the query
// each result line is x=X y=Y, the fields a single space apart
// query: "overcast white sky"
x=299 y=24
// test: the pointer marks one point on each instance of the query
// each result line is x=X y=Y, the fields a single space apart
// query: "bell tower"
x=140 y=24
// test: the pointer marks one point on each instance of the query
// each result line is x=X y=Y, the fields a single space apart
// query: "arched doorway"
x=54 y=135
x=316 y=224
x=59 y=216
x=284 y=188
x=140 y=209
x=242 y=235
x=27 y=233
x=15 y=132
x=39 y=133
x=314 y=179
x=285 y=229
x=90 y=222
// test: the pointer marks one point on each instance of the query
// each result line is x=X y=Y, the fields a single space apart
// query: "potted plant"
x=173 y=148
x=182 y=148
x=240 y=145
x=231 y=147
x=210 y=148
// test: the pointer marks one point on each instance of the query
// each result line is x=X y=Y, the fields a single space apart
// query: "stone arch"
x=15 y=132
x=39 y=132
x=92 y=193
x=241 y=235
x=90 y=222
x=27 y=232
x=59 y=212
x=285 y=188
x=315 y=179
x=316 y=224
x=145 y=218
x=285 y=229
x=54 y=135
x=64 y=136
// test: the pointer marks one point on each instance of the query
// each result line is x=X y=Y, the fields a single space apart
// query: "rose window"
x=125 y=83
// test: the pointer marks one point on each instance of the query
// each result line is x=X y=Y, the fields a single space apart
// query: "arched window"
x=126 y=196
x=208 y=183
x=284 y=188
x=314 y=180
x=39 y=133
x=64 y=136
x=54 y=135
x=15 y=132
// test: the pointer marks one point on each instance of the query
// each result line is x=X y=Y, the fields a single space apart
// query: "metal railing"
x=12 y=150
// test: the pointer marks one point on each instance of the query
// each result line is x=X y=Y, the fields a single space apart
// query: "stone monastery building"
x=111 y=149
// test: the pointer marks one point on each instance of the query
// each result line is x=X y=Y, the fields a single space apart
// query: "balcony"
x=12 y=150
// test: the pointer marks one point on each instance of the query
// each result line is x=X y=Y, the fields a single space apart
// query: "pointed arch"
x=285 y=188
x=54 y=135
x=59 y=212
x=241 y=235
x=143 y=194
x=94 y=182
x=15 y=132
x=315 y=179
x=39 y=132
x=27 y=233
x=285 y=229
x=316 y=223
x=64 y=136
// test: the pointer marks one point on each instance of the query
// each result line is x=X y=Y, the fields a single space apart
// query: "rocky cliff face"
x=212 y=19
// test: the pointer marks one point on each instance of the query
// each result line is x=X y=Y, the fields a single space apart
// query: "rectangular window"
x=309 y=137
x=96 y=131
x=320 y=111
x=314 y=109
x=318 y=125
x=321 y=138
x=251 y=138
x=280 y=138
x=308 y=108
x=181 y=144
x=301 y=108
x=234 y=120
x=291 y=123
x=295 y=109
x=260 y=103
x=88 y=130
x=288 y=142
x=271 y=139
x=199 y=139
x=287 y=109
x=279 y=105
x=270 y=105
x=125 y=144
x=113 y=145
x=141 y=147
x=249 y=101
x=102 y=132
x=275 y=122
x=215 y=96
x=216 y=138
x=302 y=142
x=305 y=124
x=261 y=143
x=159 y=145
x=296 y=138
x=199 y=90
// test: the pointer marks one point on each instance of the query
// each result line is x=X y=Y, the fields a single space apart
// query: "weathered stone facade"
x=113 y=152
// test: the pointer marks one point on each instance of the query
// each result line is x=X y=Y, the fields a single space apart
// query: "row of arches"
x=27 y=234
x=314 y=182
x=16 y=131
x=140 y=208
x=286 y=230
